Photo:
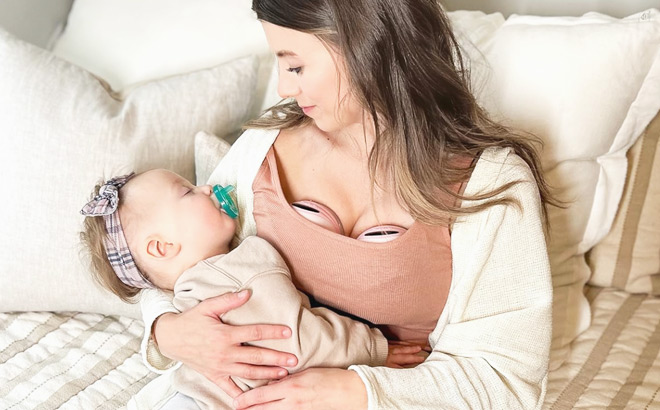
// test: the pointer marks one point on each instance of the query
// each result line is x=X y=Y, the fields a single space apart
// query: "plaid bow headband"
x=105 y=204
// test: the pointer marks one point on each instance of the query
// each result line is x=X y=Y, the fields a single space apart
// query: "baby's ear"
x=160 y=249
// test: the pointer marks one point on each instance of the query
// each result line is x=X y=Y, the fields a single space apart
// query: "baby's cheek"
x=219 y=223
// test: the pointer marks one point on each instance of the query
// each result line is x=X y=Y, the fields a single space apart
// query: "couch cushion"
x=628 y=258
x=60 y=132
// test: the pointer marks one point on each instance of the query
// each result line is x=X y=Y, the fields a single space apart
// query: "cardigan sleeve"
x=492 y=341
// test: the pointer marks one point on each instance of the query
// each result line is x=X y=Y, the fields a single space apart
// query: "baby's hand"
x=401 y=354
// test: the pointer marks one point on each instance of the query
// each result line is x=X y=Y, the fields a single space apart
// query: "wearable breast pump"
x=226 y=200
x=326 y=218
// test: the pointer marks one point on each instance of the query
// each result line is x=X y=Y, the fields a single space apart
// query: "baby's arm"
x=321 y=337
x=328 y=339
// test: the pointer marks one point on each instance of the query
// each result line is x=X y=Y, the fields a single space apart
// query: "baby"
x=155 y=229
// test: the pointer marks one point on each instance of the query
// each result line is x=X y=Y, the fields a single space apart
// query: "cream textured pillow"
x=628 y=258
x=126 y=42
x=587 y=86
x=209 y=150
x=60 y=132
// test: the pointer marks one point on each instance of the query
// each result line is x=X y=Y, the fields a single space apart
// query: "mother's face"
x=313 y=75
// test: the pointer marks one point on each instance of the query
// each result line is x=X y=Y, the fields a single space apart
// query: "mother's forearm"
x=315 y=388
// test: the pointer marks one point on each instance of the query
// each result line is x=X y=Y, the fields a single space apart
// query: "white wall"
x=616 y=8
x=36 y=21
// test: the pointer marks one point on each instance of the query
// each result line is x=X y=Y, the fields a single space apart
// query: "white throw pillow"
x=60 y=132
x=588 y=86
x=127 y=42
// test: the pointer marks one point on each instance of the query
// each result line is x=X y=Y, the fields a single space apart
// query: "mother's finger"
x=229 y=387
x=251 y=333
x=406 y=349
x=259 y=396
x=263 y=356
x=219 y=305
x=248 y=371
x=404 y=360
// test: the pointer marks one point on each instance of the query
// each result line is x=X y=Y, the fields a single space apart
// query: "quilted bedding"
x=69 y=361
x=615 y=363
x=90 y=361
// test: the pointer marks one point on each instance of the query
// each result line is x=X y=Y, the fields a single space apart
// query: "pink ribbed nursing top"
x=401 y=286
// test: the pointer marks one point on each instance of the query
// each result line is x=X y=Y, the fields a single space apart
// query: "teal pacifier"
x=222 y=194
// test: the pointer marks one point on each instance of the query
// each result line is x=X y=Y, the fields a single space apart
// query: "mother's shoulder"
x=498 y=166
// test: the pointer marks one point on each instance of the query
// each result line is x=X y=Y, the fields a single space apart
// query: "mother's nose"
x=287 y=84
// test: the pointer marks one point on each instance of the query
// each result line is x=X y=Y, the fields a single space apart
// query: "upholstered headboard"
x=554 y=7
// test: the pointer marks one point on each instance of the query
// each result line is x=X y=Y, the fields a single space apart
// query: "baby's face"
x=184 y=218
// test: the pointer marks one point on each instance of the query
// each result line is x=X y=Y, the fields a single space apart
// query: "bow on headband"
x=107 y=200
x=105 y=204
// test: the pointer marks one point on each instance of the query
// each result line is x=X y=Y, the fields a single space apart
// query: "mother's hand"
x=199 y=339
x=309 y=389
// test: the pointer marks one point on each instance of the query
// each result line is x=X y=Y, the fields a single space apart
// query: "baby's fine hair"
x=92 y=235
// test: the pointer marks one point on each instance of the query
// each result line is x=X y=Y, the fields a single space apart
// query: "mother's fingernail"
x=286 y=332
x=242 y=294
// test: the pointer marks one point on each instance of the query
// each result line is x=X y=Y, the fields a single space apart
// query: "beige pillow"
x=60 y=131
x=209 y=150
x=628 y=258
x=162 y=38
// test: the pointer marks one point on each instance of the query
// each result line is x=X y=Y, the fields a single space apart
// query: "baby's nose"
x=206 y=189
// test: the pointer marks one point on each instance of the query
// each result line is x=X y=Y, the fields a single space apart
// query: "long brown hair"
x=405 y=67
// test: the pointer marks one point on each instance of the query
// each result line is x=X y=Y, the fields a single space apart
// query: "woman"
x=381 y=129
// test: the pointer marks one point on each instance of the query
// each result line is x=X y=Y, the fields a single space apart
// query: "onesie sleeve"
x=321 y=337
x=328 y=339
x=492 y=341
x=153 y=304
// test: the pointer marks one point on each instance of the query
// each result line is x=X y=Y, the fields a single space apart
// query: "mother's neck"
x=355 y=140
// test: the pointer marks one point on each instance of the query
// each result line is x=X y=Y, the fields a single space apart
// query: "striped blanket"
x=69 y=361
x=615 y=363
x=89 y=361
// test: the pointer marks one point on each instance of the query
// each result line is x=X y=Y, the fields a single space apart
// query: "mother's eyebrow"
x=286 y=53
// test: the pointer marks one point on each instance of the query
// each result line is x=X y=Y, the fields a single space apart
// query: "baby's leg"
x=199 y=391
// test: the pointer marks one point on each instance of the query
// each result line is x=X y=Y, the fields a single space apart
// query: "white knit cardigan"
x=491 y=343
